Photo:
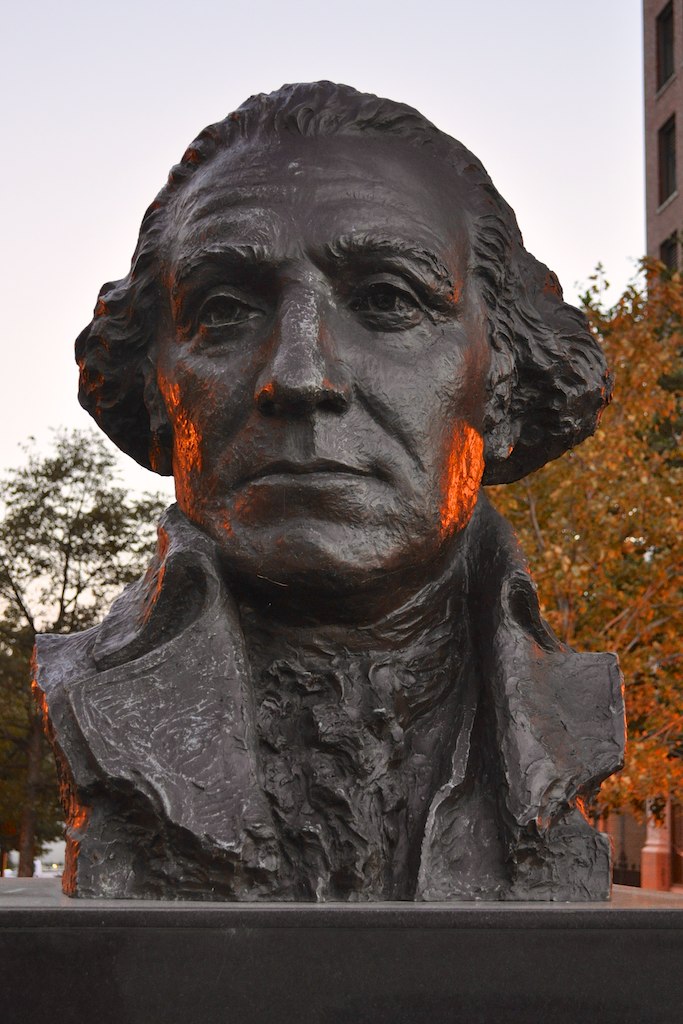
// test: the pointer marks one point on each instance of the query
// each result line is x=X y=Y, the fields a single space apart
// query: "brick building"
x=663 y=85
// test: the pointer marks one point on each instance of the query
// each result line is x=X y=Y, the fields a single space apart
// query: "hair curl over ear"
x=548 y=381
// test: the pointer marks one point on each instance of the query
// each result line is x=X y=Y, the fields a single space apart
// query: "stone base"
x=123 y=962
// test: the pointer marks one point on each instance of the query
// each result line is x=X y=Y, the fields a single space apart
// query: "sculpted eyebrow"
x=415 y=260
x=243 y=259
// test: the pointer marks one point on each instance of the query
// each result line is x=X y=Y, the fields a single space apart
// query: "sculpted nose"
x=303 y=372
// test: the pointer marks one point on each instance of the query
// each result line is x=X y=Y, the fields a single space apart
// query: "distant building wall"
x=663 y=85
x=661 y=858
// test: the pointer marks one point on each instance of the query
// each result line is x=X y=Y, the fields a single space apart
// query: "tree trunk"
x=29 y=812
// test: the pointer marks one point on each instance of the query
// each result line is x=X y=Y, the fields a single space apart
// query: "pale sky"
x=101 y=99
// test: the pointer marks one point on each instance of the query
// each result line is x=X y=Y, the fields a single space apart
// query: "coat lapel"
x=549 y=729
x=166 y=706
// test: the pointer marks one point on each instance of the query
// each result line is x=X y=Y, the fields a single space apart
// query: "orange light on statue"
x=455 y=294
x=464 y=470
x=40 y=699
x=154 y=577
x=77 y=816
x=187 y=454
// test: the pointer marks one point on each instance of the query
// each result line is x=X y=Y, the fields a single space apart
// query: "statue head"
x=332 y=335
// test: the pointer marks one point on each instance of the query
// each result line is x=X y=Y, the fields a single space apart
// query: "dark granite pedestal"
x=124 y=962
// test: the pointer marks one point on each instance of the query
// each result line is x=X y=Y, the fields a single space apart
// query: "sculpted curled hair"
x=548 y=381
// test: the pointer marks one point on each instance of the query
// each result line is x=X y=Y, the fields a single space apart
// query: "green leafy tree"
x=603 y=528
x=19 y=747
x=70 y=538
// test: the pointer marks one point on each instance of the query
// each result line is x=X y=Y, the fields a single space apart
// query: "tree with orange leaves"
x=603 y=529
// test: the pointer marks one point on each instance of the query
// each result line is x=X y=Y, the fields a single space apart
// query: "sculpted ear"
x=503 y=424
x=501 y=433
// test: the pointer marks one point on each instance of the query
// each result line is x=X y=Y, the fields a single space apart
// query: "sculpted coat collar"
x=153 y=713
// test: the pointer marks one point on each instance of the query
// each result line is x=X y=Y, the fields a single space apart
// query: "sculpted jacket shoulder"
x=152 y=718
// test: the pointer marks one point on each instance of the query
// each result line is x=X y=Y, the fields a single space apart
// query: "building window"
x=665 y=45
x=668 y=252
x=667 y=159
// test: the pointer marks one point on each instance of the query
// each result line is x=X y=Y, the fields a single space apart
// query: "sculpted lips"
x=315 y=467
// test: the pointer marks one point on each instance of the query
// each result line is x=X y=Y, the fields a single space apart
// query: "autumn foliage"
x=602 y=528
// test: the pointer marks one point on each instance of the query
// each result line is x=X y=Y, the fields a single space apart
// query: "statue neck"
x=420 y=622
x=356 y=730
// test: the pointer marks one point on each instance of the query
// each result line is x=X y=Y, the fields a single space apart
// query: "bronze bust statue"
x=333 y=683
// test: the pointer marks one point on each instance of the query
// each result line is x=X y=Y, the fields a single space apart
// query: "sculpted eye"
x=387 y=306
x=226 y=311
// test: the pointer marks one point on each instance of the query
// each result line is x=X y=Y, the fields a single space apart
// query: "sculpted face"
x=322 y=360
